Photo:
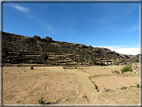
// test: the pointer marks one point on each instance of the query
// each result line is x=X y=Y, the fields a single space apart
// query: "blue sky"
x=111 y=25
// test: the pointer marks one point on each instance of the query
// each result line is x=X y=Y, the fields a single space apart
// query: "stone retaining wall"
x=136 y=68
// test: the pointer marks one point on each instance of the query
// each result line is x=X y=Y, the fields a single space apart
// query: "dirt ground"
x=87 y=85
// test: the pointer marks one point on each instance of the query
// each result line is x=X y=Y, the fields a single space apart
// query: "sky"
x=110 y=25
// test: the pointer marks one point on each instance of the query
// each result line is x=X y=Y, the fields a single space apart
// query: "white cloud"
x=123 y=50
x=131 y=51
x=20 y=8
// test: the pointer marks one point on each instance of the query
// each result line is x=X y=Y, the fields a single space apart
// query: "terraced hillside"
x=28 y=50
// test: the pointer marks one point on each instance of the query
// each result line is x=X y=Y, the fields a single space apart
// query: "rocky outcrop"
x=136 y=68
x=59 y=52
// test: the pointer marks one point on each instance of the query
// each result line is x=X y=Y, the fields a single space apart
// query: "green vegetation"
x=41 y=101
x=137 y=85
x=127 y=68
x=64 y=67
x=32 y=67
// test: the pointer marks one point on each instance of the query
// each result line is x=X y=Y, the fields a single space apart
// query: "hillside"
x=32 y=50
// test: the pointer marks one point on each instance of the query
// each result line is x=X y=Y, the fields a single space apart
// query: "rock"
x=28 y=40
x=124 y=87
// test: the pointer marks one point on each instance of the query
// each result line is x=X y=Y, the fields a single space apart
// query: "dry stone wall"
x=136 y=68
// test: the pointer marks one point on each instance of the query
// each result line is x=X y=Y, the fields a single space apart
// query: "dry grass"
x=67 y=86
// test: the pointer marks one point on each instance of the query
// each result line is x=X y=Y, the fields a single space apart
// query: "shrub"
x=41 y=101
x=17 y=65
x=75 y=67
x=115 y=71
x=127 y=68
x=137 y=85
x=64 y=67
x=32 y=67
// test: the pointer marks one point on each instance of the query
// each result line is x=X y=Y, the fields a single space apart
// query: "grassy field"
x=84 y=85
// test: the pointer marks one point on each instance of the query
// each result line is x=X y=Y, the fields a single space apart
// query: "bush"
x=115 y=71
x=64 y=67
x=137 y=85
x=32 y=67
x=17 y=65
x=41 y=101
x=127 y=68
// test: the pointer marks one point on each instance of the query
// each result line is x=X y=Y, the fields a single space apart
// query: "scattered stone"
x=85 y=96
